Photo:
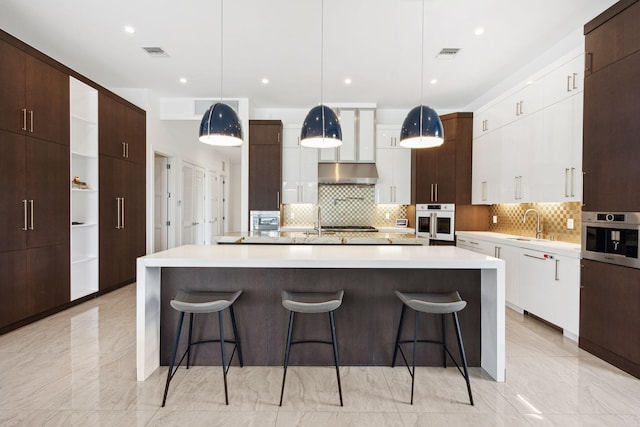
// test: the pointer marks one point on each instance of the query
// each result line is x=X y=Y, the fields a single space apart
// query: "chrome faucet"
x=538 y=226
x=319 y=222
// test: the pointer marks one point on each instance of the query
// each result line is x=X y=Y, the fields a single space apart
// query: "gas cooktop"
x=349 y=228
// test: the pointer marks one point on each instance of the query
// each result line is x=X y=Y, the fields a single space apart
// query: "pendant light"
x=422 y=127
x=220 y=124
x=321 y=127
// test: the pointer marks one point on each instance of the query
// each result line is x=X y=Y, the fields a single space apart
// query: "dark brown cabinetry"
x=122 y=220
x=265 y=164
x=611 y=111
x=610 y=314
x=443 y=174
x=122 y=190
x=34 y=218
x=34 y=96
x=121 y=130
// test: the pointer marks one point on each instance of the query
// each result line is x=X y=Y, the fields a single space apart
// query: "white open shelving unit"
x=84 y=201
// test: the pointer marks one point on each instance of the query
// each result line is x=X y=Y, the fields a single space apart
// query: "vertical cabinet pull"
x=566 y=182
x=123 y=215
x=496 y=251
x=31 y=222
x=573 y=173
x=484 y=191
x=24 y=207
x=568 y=83
x=118 y=213
x=573 y=78
x=436 y=193
x=127 y=150
x=557 y=273
x=24 y=119
x=31 y=121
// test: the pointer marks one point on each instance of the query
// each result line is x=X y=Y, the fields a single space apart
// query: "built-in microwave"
x=611 y=237
x=436 y=222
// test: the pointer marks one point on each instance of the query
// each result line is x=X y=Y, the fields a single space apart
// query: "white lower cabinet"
x=544 y=284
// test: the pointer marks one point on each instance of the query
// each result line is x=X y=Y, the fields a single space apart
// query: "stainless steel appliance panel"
x=436 y=221
x=611 y=237
x=264 y=220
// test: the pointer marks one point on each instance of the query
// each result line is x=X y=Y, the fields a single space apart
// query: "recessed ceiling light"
x=433 y=81
x=183 y=80
x=129 y=29
x=265 y=81
x=347 y=81
x=479 y=31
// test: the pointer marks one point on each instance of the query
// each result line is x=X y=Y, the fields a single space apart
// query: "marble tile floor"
x=78 y=368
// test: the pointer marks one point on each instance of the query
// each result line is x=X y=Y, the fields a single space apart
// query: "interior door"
x=213 y=212
x=187 y=204
x=198 y=206
x=160 y=203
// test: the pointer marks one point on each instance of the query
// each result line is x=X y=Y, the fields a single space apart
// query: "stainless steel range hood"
x=347 y=173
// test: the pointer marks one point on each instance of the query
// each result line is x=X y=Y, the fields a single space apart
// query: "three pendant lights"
x=421 y=128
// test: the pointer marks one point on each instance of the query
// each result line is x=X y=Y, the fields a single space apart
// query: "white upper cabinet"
x=538 y=128
x=299 y=169
x=358 y=138
x=394 y=176
x=388 y=136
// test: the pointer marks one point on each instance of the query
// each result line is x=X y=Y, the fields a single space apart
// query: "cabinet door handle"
x=474 y=243
x=127 y=145
x=517 y=108
x=31 y=121
x=436 y=192
x=516 y=189
x=521 y=110
x=573 y=173
x=568 y=83
x=535 y=257
x=566 y=182
x=484 y=191
x=432 y=193
x=496 y=251
x=123 y=211
x=24 y=119
x=124 y=150
x=31 y=222
x=575 y=86
x=557 y=272
x=24 y=206
x=588 y=62
x=118 y=213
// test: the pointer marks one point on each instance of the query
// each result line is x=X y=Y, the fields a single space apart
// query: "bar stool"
x=311 y=303
x=201 y=302
x=434 y=304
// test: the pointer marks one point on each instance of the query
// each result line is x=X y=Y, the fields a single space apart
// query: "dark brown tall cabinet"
x=34 y=186
x=611 y=110
x=610 y=294
x=121 y=142
x=265 y=164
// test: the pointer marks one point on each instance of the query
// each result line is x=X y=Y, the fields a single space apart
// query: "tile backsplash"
x=553 y=217
x=344 y=205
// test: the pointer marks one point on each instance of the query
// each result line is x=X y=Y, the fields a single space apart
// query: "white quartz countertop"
x=553 y=246
x=320 y=256
x=326 y=238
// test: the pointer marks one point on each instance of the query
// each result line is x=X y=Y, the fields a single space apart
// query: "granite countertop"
x=327 y=238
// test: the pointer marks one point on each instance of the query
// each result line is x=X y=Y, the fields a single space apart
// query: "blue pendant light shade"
x=220 y=125
x=421 y=129
x=321 y=129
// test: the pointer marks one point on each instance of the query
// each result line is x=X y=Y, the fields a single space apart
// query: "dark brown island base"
x=366 y=322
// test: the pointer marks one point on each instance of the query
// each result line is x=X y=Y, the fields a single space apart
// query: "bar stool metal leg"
x=286 y=354
x=415 y=341
x=235 y=335
x=395 y=352
x=224 y=367
x=335 y=353
x=463 y=356
x=190 y=340
x=444 y=342
x=173 y=358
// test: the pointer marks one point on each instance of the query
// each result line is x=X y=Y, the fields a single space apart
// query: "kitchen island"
x=367 y=321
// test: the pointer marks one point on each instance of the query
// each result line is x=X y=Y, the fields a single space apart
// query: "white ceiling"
x=376 y=43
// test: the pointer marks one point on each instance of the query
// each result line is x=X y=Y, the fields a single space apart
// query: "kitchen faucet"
x=538 y=226
x=319 y=220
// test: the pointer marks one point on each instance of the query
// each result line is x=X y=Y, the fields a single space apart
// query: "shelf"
x=85 y=225
x=83 y=259
x=84 y=119
x=88 y=156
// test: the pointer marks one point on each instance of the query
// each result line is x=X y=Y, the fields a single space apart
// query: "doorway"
x=193 y=204
x=161 y=204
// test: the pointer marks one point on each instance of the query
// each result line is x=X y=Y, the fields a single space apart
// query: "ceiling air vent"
x=156 y=52
x=448 y=53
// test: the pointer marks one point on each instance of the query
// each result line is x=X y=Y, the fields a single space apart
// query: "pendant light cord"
x=422 y=69
x=221 y=44
x=322 y=64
